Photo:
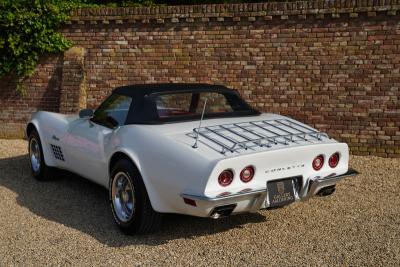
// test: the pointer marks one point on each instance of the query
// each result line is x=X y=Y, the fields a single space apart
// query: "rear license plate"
x=280 y=193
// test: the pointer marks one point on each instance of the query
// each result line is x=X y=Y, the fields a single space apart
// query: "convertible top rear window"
x=189 y=104
x=177 y=105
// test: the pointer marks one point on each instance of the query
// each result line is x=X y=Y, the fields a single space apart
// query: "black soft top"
x=144 y=111
x=142 y=90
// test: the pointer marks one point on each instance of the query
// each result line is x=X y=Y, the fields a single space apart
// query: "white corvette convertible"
x=192 y=149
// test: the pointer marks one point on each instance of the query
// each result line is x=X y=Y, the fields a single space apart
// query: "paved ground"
x=68 y=222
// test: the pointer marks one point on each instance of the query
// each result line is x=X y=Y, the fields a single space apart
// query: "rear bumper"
x=252 y=201
x=317 y=183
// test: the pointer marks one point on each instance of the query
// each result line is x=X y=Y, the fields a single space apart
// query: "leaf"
x=28 y=29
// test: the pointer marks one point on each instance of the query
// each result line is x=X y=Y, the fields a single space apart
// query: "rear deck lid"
x=258 y=135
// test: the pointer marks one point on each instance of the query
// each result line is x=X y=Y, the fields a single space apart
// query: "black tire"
x=42 y=172
x=144 y=218
x=327 y=191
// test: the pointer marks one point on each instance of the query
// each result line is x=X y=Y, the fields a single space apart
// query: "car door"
x=88 y=138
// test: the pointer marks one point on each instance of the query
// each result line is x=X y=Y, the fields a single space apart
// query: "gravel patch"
x=68 y=222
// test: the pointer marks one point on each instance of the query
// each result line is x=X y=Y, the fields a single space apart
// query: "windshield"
x=178 y=105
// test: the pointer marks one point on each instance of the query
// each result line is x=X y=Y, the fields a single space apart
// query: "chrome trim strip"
x=217 y=198
x=350 y=172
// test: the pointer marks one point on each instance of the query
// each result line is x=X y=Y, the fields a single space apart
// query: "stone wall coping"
x=282 y=10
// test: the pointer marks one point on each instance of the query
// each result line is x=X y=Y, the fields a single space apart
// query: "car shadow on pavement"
x=82 y=205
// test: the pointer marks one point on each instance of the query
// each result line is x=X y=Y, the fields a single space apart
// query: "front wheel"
x=39 y=168
x=129 y=201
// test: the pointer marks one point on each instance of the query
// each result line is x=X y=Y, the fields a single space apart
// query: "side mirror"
x=85 y=113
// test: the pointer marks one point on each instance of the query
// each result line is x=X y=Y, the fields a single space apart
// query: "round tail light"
x=225 y=178
x=318 y=162
x=247 y=174
x=334 y=160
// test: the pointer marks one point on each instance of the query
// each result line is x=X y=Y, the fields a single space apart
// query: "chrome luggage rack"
x=236 y=137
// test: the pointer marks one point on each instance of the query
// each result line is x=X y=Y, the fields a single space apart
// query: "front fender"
x=52 y=128
x=41 y=126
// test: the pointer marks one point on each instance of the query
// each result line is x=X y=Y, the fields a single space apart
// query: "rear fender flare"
x=133 y=157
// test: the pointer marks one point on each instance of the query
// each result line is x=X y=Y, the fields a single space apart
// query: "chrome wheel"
x=34 y=154
x=122 y=193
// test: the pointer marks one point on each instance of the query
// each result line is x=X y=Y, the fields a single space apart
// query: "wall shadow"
x=53 y=87
x=80 y=204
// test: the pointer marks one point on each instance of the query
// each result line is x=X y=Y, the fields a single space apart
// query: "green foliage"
x=117 y=3
x=28 y=29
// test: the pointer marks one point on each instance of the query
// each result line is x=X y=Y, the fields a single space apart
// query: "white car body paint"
x=171 y=167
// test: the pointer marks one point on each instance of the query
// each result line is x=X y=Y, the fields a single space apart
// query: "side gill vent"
x=57 y=152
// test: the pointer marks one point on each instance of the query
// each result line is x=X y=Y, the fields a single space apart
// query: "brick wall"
x=332 y=64
x=42 y=93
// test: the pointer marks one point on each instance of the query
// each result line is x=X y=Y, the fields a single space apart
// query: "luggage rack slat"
x=311 y=133
x=224 y=147
x=270 y=126
x=227 y=138
x=260 y=137
x=283 y=130
x=295 y=123
x=242 y=136
x=290 y=125
x=268 y=130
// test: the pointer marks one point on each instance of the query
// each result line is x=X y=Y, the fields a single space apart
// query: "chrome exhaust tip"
x=222 y=211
